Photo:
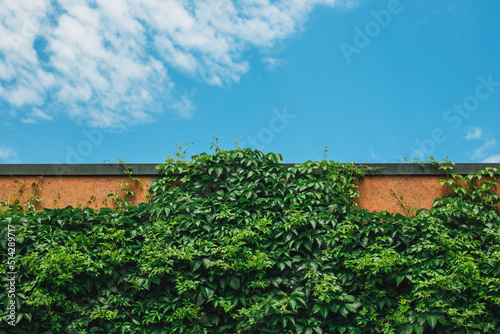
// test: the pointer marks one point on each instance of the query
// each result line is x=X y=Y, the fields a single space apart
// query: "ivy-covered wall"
x=233 y=242
x=378 y=191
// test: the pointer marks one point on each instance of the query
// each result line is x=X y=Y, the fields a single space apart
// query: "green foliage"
x=121 y=199
x=234 y=242
x=445 y=165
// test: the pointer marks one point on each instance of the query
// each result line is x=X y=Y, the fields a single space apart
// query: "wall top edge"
x=372 y=169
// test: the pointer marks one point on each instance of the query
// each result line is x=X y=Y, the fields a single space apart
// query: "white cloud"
x=481 y=152
x=28 y=120
x=101 y=56
x=183 y=107
x=474 y=133
x=8 y=155
x=492 y=159
x=36 y=115
x=272 y=63
x=373 y=156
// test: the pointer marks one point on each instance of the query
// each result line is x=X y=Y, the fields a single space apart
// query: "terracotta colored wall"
x=397 y=194
x=61 y=191
x=402 y=194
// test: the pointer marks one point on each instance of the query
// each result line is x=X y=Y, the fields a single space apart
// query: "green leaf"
x=206 y=263
x=432 y=320
x=276 y=281
x=344 y=312
x=234 y=282
x=314 y=223
x=28 y=316
x=419 y=329
x=293 y=304
x=352 y=307
x=324 y=311
x=407 y=329
x=196 y=265
x=223 y=282
x=208 y=292
x=349 y=298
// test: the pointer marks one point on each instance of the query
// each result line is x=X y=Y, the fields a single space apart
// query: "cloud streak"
x=474 y=133
x=481 y=151
x=8 y=155
x=36 y=115
x=107 y=62
x=492 y=159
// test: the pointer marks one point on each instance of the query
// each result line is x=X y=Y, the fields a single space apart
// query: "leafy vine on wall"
x=233 y=242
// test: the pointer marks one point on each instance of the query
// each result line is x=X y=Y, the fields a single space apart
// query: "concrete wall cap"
x=371 y=169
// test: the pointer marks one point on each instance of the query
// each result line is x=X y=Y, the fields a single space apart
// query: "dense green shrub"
x=235 y=243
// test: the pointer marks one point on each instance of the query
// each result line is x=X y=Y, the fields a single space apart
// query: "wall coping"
x=374 y=169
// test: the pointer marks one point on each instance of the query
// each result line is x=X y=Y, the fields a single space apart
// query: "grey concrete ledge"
x=374 y=169
x=427 y=169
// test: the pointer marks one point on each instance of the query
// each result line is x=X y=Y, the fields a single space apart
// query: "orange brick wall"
x=397 y=194
x=61 y=191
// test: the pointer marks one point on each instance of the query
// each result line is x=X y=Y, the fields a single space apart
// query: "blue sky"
x=374 y=80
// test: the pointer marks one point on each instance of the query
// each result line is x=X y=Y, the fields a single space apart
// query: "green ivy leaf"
x=352 y=307
x=234 y=282
x=432 y=320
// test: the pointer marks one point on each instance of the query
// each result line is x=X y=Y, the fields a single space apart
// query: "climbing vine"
x=234 y=242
